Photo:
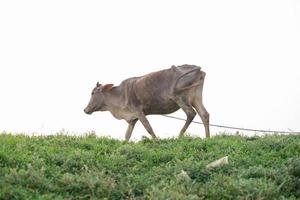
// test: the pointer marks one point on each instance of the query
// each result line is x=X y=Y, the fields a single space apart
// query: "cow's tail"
x=187 y=87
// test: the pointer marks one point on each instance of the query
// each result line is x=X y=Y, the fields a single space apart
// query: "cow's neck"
x=112 y=99
x=114 y=102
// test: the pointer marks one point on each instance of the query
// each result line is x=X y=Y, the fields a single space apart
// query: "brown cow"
x=160 y=92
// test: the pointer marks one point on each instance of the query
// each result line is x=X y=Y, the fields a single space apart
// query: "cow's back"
x=154 y=91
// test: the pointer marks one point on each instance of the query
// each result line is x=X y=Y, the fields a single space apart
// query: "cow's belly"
x=162 y=108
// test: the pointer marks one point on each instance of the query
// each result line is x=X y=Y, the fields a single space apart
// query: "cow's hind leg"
x=130 y=129
x=198 y=105
x=189 y=111
x=204 y=115
x=146 y=124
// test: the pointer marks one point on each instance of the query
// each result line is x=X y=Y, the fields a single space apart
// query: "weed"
x=88 y=167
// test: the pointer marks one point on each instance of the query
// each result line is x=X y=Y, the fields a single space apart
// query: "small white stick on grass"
x=218 y=163
x=183 y=176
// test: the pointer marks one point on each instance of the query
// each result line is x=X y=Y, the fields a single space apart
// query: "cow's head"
x=97 y=98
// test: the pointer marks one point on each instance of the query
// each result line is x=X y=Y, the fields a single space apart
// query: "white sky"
x=52 y=53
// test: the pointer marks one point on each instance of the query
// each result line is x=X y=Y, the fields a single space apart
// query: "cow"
x=160 y=92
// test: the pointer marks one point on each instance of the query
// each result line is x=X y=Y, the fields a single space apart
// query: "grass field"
x=65 y=167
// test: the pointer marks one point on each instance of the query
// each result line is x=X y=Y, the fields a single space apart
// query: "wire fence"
x=239 y=128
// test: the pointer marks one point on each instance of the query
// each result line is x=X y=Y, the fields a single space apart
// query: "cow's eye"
x=93 y=93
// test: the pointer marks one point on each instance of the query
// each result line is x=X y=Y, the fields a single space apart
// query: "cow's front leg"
x=146 y=124
x=130 y=129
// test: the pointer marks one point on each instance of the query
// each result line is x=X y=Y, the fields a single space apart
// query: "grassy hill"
x=65 y=167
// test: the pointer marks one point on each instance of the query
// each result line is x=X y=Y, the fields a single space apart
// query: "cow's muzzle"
x=87 y=111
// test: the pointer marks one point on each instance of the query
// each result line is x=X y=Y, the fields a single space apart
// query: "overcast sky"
x=52 y=53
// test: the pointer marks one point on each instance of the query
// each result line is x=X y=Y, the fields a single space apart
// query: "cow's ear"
x=98 y=84
x=107 y=87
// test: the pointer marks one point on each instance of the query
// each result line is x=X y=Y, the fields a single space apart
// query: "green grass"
x=65 y=167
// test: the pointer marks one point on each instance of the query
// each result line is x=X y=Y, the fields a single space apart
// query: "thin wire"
x=238 y=128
